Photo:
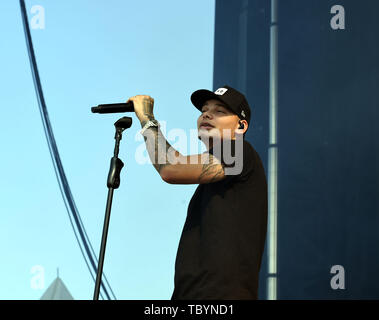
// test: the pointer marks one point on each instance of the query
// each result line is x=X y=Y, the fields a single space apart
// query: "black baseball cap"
x=233 y=99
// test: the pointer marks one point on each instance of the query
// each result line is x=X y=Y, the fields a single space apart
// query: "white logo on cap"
x=243 y=113
x=220 y=91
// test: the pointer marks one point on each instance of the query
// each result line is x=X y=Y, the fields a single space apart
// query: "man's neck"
x=211 y=143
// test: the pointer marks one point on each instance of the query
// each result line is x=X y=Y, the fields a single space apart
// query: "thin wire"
x=58 y=167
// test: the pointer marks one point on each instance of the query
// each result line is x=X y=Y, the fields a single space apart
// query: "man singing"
x=222 y=242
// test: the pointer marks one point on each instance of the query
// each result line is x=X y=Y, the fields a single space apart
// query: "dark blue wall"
x=328 y=104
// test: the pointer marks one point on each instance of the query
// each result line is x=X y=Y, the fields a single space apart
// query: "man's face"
x=216 y=121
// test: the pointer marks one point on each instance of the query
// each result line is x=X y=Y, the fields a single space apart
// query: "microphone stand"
x=113 y=182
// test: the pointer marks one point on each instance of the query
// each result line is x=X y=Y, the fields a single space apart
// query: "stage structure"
x=310 y=72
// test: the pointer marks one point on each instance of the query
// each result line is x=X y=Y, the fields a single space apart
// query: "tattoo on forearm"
x=160 y=151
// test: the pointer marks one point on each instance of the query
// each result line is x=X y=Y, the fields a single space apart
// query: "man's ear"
x=243 y=125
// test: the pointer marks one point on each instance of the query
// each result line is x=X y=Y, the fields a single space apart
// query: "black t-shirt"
x=221 y=246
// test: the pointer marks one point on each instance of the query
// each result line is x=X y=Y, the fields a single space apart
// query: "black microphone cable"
x=89 y=254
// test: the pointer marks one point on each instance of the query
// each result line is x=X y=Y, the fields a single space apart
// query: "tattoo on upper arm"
x=212 y=169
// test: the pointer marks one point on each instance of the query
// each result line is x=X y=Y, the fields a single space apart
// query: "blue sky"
x=93 y=52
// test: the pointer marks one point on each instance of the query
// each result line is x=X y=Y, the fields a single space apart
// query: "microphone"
x=114 y=108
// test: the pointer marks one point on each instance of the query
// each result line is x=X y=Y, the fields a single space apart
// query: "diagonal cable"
x=74 y=216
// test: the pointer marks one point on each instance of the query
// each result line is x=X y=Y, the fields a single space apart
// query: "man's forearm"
x=161 y=153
